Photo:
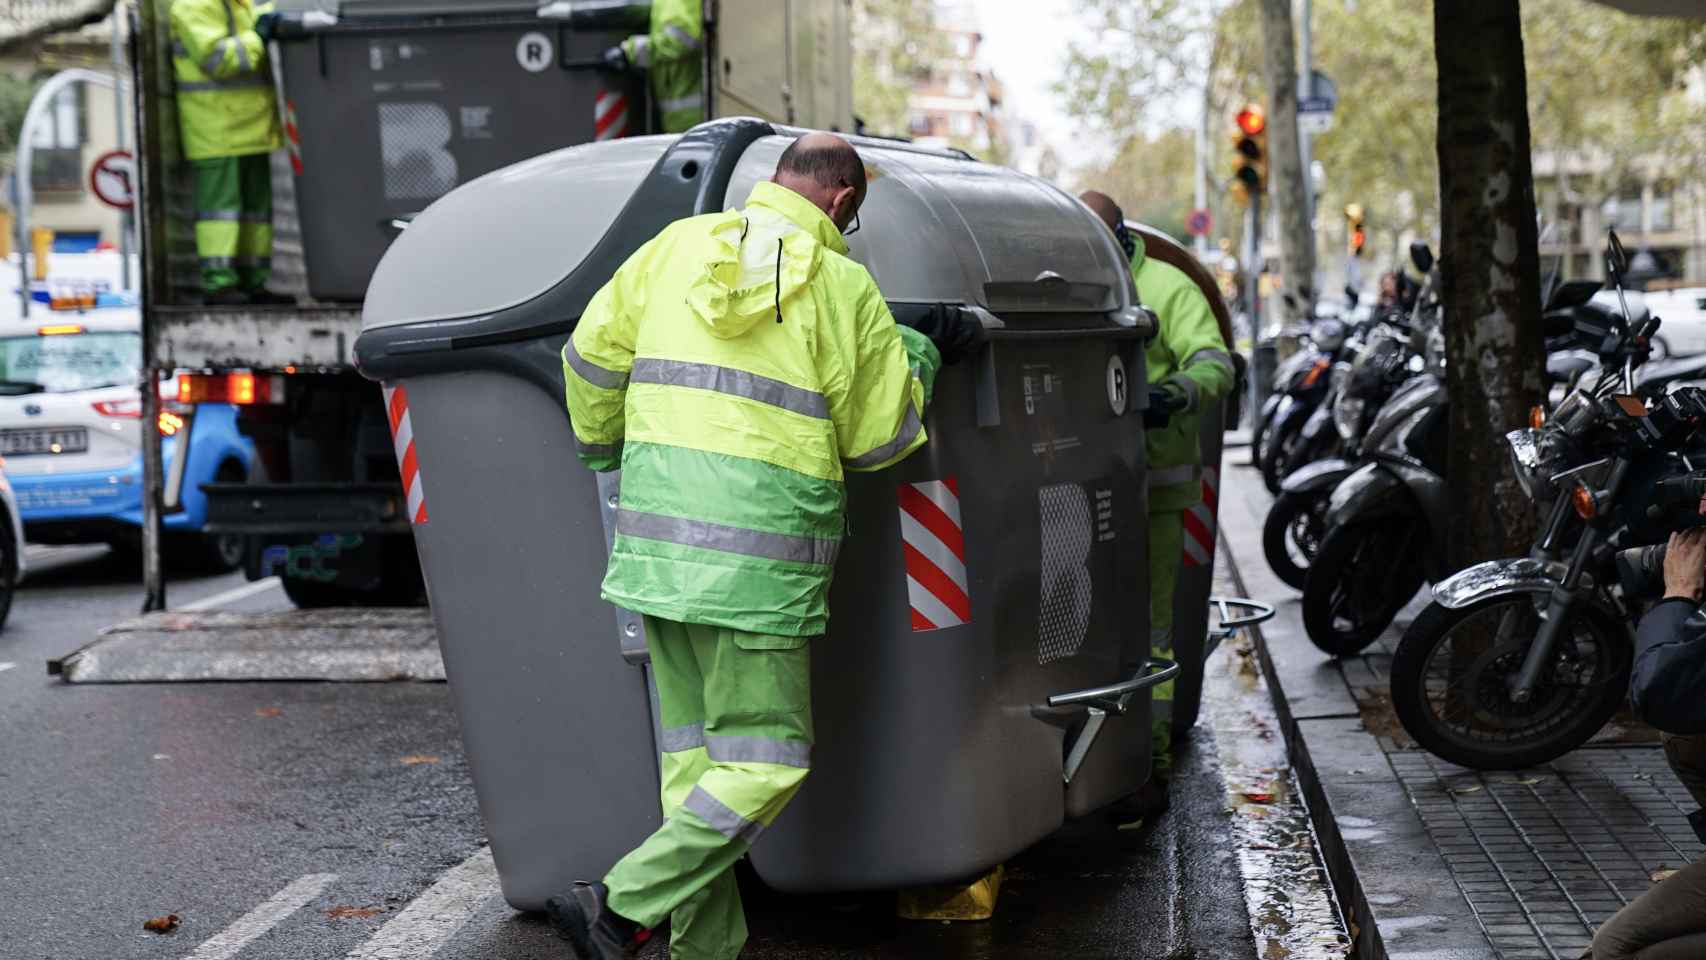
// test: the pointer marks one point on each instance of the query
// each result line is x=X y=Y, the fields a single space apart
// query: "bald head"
x=826 y=170
x=1103 y=206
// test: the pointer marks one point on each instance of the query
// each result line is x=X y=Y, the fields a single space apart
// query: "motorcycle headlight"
x=1526 y=462
x=1347 y=416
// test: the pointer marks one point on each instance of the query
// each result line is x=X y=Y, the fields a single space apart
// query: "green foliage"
x=894 y=42
x=1601 y=83
x=1151 y=179
x=15 y=93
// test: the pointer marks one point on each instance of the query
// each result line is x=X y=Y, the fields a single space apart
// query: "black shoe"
x=596 y=933
x=263 y=297
x=227 y=297
x=1151 y=800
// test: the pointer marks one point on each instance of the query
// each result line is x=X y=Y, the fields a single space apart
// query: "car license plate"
x=50 y=440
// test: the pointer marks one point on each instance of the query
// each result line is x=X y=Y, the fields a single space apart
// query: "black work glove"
x=955 y=332
x=266 y=26
x=616 y=59
x=1162 y=405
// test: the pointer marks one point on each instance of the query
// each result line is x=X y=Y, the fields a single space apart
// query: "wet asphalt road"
x=121 y=803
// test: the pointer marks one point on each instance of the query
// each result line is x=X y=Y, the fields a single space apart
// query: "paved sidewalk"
x=1433 y=861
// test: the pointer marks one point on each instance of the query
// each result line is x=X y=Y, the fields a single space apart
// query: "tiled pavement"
x=1449 y=862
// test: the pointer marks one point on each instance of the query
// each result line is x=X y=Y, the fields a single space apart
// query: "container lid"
x=505 y=238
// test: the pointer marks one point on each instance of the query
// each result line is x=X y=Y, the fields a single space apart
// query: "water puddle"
x=1292 y=910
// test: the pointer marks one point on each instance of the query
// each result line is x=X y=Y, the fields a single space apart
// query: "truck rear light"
x=170 y=423
x=240 y=388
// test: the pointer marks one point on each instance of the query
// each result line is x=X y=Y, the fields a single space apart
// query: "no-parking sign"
x=113 y=179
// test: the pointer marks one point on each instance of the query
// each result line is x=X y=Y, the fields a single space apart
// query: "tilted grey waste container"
x=397 y=102
x=999 y=568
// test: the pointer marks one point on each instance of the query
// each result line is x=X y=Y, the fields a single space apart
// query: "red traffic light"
x=1252 y=120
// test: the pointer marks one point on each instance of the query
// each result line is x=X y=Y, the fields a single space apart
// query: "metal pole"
x=153 y=483
x=125 y=219
x=26 y=156
x=1252 y=310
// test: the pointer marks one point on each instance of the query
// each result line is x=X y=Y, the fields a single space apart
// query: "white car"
x=71 y=435
x=11 y=546
x=1682 y=320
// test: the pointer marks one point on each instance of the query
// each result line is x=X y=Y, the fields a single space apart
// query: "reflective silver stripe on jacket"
x=677 y=739
x=1173 y=476
x=641 y=54
x=909 y=430
x=735 y=383
x=1209 y=355
x=684 y=37
x=217 y=262
x=693 y=101
x=722 y=819
x=717 y=536
x=598 y=449
x=235 y=83
x=225 y=216
x=592 y=373
x=783 y=753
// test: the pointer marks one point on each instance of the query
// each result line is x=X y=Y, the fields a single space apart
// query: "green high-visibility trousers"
x=233 y=221
x=1166 y=553
x=736 y=744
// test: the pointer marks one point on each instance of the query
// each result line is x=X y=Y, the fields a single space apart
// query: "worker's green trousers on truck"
x=1166 y=552
x=736 y=741
x=233 y=221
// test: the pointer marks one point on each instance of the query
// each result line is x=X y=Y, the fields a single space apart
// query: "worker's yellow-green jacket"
x=1187 y=357
x=226 y=106
x=673 y=53
x=733 y=367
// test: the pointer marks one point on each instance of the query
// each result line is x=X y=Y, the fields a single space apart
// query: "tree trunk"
x=1285 y=159
x=1490 y=269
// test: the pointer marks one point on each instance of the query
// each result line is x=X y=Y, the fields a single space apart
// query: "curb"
x=1399 y=898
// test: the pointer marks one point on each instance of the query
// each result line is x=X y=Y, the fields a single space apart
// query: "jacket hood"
x=759 y=258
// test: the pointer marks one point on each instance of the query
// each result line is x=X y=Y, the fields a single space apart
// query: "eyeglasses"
x=852 y=228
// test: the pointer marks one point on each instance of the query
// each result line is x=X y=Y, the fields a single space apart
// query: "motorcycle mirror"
x=1616 y=258
x=1421 y=256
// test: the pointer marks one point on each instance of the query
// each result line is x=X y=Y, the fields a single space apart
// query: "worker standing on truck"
x=1188 y=366
x=228 y=121
x=673 y=52
x=733 y=368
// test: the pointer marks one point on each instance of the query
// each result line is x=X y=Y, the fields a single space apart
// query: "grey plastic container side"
x=392 y=117
x=1196 y=579
x=937 y=755
x=556 y=725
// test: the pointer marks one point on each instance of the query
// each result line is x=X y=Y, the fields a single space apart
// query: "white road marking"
x=233 y=595
x=435 y=916
x=6 y=666
x=250 y=925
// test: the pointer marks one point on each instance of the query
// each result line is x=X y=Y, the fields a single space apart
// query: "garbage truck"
x=986 y=673
x=386 y=105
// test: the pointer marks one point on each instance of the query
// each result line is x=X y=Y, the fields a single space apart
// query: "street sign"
x=1313 y=123
x=1315 y=112
x=1199 y=223
x=113 y=179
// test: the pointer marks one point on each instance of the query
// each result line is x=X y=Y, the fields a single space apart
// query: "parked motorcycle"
x=1518 y=661
x=1306 y=385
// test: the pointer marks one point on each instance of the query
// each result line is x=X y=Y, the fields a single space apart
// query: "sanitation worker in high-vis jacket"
x=1188 y=367
x=228 y=121
x=733 y=368
x=673 y=53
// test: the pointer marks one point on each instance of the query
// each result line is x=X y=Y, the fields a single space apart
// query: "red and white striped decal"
x=292 y=137
x=1199 y=521
x=610 y=115
x=403 y=441
x=933 y=540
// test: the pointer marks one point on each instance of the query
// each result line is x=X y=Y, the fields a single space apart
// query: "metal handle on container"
x=1229 y=625
x=1112 y=698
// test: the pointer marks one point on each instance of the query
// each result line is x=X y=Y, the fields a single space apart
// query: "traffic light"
x=1357 y=235
x=1250 y=152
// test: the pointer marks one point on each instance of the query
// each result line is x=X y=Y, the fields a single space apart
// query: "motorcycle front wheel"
x=1282 y=444
x=1291 y=535
x=1363 y=574
x=1451 y=673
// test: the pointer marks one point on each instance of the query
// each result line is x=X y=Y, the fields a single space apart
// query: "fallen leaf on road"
x=1469 y=789
x=415 y=758
x=268 y=712
x=1663 y=873
x=358 y=913
x=165 y=924
x=1527 y=781
x=1259 y=797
